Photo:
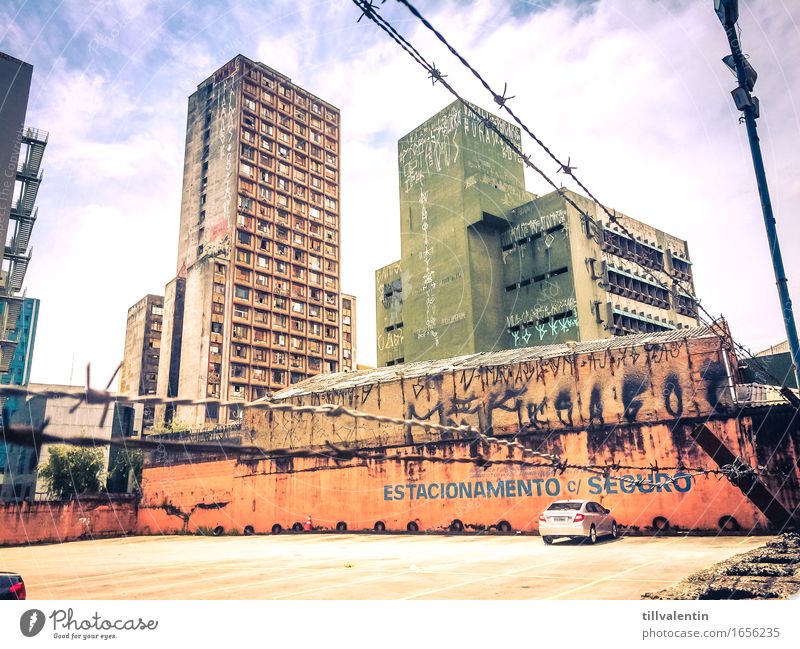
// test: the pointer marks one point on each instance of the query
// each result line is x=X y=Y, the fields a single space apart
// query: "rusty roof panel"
x=417 y=369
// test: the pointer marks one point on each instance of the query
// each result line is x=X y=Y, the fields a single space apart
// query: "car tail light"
x=579 y=518
x=542 y=518
x=18 y=590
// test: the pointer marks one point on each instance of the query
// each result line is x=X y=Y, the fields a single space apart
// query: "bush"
x=73 y=470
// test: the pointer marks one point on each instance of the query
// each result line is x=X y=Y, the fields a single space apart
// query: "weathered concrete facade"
x=139 y=372
x=347 y=326
x=485 y=265
x=259 y=243
x=636 y=401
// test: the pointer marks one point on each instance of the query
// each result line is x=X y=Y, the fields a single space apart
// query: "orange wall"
x=44 y=521
x=263 y=493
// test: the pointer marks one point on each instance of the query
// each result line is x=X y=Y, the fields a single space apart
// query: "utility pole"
x=728 y=13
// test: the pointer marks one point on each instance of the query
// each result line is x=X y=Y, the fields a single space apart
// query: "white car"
x=576 y=519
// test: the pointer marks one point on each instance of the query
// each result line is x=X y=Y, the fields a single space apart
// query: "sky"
x=634 y=93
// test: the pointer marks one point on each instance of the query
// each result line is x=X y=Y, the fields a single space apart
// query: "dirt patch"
x=768 y=572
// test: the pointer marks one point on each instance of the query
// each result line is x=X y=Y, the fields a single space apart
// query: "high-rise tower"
x=486 y=266
x=255 y=303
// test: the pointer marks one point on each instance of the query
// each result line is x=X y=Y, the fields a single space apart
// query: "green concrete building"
x=486 y=265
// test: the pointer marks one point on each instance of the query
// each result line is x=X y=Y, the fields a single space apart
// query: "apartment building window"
x=279 y=358
x=238 y=371
x=298 y=307
x=240 y=332
x=278 y=376
x=216 y=328
x=242 y=292
x=279 y=339
x=239 y=351
x=245 y=204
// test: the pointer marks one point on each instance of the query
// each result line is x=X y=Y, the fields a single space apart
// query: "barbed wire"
x=27 y=435
x=370 y=11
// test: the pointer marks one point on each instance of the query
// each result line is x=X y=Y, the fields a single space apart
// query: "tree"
x=126 y=468
x=72 y=470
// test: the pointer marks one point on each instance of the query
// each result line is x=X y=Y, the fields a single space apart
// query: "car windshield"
x=564 y=506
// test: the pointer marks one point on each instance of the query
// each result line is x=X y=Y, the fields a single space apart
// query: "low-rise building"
x=118 y=420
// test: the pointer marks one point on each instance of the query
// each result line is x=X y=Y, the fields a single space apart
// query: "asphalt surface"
x=356 y=566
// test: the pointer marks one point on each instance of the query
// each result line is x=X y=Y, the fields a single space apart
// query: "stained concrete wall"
x=56 y=522
x=630 y=402
x=615 y=382
x=433 y=494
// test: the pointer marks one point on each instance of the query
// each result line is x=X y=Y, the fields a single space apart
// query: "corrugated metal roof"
x=780 y=348
x=345 y=380
x=755 y=395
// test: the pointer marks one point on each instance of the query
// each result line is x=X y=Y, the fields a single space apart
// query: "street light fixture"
x=728 y=13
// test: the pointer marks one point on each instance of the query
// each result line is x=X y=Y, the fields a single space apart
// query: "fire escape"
x=17 y=252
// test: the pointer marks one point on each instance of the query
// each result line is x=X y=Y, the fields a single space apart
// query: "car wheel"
x=614 y=530
x=592 y=538
x=548 y=540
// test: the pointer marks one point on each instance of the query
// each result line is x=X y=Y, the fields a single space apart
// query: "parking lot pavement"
x=357 y=566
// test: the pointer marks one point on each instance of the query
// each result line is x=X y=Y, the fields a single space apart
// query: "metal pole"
x=766 y=205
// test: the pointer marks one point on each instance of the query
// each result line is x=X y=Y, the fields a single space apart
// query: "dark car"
x=12 y=586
